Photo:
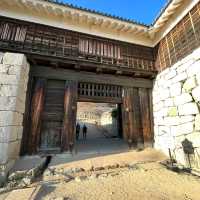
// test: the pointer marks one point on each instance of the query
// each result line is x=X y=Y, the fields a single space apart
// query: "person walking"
x=77 y=131
x=84 y=132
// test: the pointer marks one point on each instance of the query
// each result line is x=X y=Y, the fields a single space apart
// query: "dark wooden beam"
x=64 y=74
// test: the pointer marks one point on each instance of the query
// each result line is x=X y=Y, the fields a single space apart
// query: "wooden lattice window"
x=99 y=90
x=13 y=32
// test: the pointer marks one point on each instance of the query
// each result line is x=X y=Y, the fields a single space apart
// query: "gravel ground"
x=150 y=181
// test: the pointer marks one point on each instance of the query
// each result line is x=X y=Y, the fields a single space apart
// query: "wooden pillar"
x=69 y=120
x=145 y=116
x=36 y=111
x=137 y=117
x=125 y=116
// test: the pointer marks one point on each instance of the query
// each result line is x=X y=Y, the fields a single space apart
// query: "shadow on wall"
x=191 y=156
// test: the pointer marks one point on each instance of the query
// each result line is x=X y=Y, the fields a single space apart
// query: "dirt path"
x=147 y=182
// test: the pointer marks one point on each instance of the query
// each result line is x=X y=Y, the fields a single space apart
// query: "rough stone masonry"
x=176 y=106
x=14 y=71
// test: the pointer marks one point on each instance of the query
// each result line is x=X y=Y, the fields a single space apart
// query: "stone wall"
x=14 y=71
x=176 y=103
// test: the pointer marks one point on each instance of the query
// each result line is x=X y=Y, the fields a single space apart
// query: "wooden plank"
x=36 y=110
x=69 y=120
x=132 y=116
x=64 y=74
x=145 y=116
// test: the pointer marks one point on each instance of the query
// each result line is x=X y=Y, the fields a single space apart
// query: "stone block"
x=164 y=94
x=170 y=121
x=8 y=90
x=164 y=130
x=197 y=122
x=169 y=102
x=158 y=106
x=196 y=94
x=190 y=84
x=10 y=133
x=9 y=79
x=175 y=89
x=176 y=65
x=159 y=121
x=14 y=59
x=188 y=109
x=193 y=69
x=12 y=104
x=187 y=62
x=3 y=153
x=172 y=111
x=4 y=68
x=13 y=150
x=185 y=128
x=186 y=118
x=161 y=113
x=17 y=70
x=164 y=73
x=10 y=118
x=180 y=77
x=172 y=73
x=156 y=97
x=182 y=99
x=174 y=130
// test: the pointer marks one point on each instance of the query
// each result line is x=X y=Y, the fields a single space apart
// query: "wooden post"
x=69 y=120
x=125 y=118
x=137 y=131
x=145 y=115
x=36 y=111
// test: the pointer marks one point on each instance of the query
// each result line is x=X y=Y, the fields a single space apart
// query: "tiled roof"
x=162 y=11
x=59 y=2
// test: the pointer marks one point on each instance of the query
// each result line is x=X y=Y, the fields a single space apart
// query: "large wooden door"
x=52 y=116
x=136 y=113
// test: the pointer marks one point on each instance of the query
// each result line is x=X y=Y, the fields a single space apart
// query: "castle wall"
x=14 y=71
x=176 y=106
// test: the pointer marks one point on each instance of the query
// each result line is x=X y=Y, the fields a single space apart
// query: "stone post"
x=14 y=72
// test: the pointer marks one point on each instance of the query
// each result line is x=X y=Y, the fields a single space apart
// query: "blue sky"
x=143 y=11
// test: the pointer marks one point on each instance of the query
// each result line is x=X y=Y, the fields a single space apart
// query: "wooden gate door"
x=52 y=116
x=136 y=115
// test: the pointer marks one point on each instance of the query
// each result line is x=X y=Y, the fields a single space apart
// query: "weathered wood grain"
x=69 y=120
x=36 y=111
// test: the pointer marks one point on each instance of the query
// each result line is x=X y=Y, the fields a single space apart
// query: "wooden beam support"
x=64 y=74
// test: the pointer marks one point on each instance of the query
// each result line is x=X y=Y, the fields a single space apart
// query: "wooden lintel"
x=118 y=72
x=66 y=74
x=54 y=63
x=99 y=70
x=77 y=67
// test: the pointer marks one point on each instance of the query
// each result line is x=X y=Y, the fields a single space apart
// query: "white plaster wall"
x=14 y=71
x=176 y=106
